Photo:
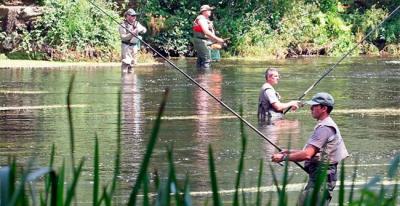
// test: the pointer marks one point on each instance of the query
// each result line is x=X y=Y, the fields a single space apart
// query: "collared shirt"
x=126 y=29
x=327 y=138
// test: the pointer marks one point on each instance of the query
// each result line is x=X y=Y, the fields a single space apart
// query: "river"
x=33 y=117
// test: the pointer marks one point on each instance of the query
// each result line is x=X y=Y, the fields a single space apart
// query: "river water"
x=33 y=117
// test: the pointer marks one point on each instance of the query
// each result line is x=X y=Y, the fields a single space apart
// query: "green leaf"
x=149 y=151
x=213 y=177
x=341 y=188
x=5 y=190
x=96 y=180
x=187 y=199
x=394 y=166
x=72 y=187
x=70 y=121
x=241 y=161
x=260 y=173
x=60 y=185
x=353 y=180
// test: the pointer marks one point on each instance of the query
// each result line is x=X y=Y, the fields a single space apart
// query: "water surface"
x=33 y=116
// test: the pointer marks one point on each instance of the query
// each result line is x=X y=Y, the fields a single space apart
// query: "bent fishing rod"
x=201 y=87
x=341 y=59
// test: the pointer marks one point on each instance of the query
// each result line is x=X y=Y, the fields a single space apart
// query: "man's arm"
x=204 y=26
x=296 y=156
x=276 y=104
x=140 y=29
x=124 y=33
x=279 y=106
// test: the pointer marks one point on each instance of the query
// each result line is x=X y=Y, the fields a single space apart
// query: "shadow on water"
x=363 y=88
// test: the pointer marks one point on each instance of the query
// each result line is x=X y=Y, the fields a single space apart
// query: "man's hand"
x=294 y=105
x=278 y=157
x=135 y=32
x=219 y=40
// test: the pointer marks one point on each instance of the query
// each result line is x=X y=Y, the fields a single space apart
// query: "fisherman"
x=325 y=147
x=129 y=31
x=269 y=106
x=204 y=36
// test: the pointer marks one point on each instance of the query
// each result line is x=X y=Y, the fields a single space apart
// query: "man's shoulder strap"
x=266 y=87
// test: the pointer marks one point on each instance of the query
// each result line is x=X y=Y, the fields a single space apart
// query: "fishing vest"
x=334 y=149
x=129 y=27
x=266 y=111
x=197 y=30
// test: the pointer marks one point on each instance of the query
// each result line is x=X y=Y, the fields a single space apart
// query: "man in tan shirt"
x=129 y=31
x=325 y=147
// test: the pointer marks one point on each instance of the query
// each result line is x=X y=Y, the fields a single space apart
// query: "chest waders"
x=263 y=107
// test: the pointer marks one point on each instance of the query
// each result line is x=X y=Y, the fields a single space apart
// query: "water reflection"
x=206 y=127
x=18 y=126
x=131 y=103
x=367 y=113
x=206 y=106
x=132 y=117
x=283 y=132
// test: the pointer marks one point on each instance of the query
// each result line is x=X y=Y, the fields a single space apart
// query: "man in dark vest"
x=325 y=147
x=269 y=106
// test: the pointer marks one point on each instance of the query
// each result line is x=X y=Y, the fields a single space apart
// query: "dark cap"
x=321 y=98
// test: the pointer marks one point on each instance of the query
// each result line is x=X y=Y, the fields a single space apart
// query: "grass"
x=14 y=181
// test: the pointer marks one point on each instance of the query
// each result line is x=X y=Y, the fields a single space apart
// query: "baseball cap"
x=206 y=8
x=321 y=98
x=131 y=12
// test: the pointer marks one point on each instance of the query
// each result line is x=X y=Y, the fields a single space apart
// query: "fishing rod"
x=347 y=54
x=201 y=87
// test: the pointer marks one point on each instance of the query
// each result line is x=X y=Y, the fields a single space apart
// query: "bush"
x=304 y=30
x=73 y=30
x=170 y=24
x=76 y=30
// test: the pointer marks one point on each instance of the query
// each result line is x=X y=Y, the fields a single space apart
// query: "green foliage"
x=326 y=6
x=213 y=177
x=173 y=38
x=76 y=30
x=368 y=20
x=391 y=31
x=305 y=29
x=277 y=28
x=73 y=26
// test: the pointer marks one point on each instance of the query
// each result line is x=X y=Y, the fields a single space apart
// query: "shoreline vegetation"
x=55 y=30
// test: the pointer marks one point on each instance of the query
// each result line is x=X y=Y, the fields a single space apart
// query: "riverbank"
x=9 y=63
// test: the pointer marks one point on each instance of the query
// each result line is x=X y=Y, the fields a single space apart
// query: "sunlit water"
x=33 y=116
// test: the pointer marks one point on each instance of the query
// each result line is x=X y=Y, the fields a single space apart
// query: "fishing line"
x=201 y=87
x=347 y=54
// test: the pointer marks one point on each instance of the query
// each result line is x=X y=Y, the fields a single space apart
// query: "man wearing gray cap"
x=129 y=31
x=325 y=147
x=204 y=36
